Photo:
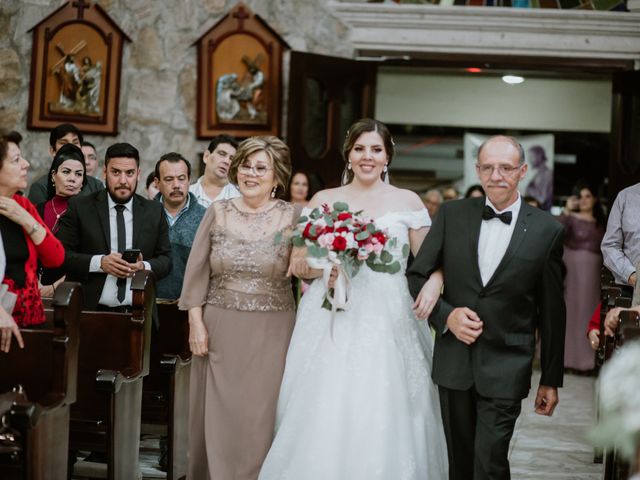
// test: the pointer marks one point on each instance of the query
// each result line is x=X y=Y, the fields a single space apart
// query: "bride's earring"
x=385 y=168
x=349 y=166
x=273 y=192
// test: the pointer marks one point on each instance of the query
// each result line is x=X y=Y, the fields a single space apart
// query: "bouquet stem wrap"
x=338 y=296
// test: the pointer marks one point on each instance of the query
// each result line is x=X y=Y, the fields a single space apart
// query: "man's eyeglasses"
x=257 y=170
x=503 y=170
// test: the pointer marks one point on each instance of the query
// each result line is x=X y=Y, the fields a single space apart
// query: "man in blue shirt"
x=183 y=213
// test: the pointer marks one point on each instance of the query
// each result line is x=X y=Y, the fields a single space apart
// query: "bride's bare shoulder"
x=328 y=195
x=405 y=199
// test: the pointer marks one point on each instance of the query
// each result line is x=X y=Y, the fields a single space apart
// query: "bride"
x=359 y=404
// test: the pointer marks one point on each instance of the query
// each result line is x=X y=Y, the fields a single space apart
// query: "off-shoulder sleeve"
x=198 y=271
x=416 y=219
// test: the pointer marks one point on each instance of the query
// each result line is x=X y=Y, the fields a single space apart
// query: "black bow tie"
x=488 y=213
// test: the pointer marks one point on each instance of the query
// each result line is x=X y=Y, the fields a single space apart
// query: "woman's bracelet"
x=34 y=228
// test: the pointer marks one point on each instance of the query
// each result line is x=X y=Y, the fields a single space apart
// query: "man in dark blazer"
x=98 y=228
x=502 y=266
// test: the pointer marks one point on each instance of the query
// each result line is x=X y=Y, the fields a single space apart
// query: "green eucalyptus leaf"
x=405 y=250
x=371 y=227
x=341 y=207
x=385 y=257
x=362 y=235
x=303 y=219
x=298 y=241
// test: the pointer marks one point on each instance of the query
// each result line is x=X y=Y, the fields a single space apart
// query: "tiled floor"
x=542 y=448
x=555 y=448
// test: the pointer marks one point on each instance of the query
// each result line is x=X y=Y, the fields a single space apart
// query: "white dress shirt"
x=109 y=296
x=495 y=236
x=228 y=191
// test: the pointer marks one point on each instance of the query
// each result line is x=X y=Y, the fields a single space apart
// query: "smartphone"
x=131 y=255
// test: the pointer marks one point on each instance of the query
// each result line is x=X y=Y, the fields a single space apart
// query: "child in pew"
x=610 y=323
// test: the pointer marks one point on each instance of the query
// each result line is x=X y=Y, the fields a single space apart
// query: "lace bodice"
x=243 y=257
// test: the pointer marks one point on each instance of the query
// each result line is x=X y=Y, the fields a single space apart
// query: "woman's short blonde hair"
x=276 y=150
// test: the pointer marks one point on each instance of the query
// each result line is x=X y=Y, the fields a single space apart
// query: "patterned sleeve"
x=198 y=271
x=416 y=219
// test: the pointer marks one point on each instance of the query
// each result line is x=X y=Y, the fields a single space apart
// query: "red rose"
x=340 y=244
x=307 y=232
x=342 y=230
x=344 y=216
x=380 y=237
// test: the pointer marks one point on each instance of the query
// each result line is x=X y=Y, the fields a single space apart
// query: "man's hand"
x=632 y=279
x=465 y=324
x=8 y=327
x=611 y=321
x=546 y=400
x=113 y=264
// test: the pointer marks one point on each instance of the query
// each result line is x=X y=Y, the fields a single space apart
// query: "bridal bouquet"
x=338 y=237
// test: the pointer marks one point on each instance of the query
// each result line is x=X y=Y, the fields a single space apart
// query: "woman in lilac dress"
x=584 y=223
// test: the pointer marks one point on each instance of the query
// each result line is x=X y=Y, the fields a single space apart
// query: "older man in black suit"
x=502 y=265
x=98 y=228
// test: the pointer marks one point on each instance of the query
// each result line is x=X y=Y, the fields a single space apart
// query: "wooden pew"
x=36 y=414
x=113 y=359
x=165 y=396
x=612 y=295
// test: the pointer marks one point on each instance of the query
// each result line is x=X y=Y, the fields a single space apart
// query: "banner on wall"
x=539 y=153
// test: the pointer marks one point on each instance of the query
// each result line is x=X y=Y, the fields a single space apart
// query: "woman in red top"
x=26 y=239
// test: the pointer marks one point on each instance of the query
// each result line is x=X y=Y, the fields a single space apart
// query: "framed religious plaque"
x=239 y=77
x=75 y=69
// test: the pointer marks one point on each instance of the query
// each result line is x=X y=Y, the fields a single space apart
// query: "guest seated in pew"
x=8 y=326
x=61 y=135
x=67 y=176
x=26 y=239
x=183 y=214
x=610 y=323
x=99 y=228
x=241 y=315
x=593 y=331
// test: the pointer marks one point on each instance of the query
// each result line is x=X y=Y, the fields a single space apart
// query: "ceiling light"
x=512 y=79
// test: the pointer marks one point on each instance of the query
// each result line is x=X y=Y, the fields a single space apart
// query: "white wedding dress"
x=360 y=405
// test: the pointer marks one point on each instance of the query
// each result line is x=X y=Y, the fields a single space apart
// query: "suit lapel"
x=519 y=233
x=474 y=220
x=103 y=216
x=137 y=212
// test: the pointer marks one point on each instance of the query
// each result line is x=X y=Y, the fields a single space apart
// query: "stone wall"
x=158 y=86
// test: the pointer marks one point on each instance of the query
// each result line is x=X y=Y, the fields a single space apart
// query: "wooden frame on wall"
x=76 y=66
x=239 y=77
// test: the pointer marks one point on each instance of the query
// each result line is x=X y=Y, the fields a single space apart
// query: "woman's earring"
x=385 y=168
x=273 y=192
x=349 y=166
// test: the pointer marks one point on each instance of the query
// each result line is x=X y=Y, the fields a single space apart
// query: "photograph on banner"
x=539 y=153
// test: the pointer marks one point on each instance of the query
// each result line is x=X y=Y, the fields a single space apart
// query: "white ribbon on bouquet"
x=342 y=285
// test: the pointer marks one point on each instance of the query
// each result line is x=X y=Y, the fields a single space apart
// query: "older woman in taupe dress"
x=241 y=315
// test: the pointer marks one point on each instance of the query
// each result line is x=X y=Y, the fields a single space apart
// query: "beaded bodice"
x=249 y=258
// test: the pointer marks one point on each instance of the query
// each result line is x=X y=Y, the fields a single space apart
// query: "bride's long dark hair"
x=365 y=125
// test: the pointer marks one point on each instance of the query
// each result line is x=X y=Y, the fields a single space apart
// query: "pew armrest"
x=112 y=380
x=172 y=363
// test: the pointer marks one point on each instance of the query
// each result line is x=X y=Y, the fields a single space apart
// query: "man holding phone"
x=111 y=234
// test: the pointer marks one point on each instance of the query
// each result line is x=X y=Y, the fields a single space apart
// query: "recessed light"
x=512 y=79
